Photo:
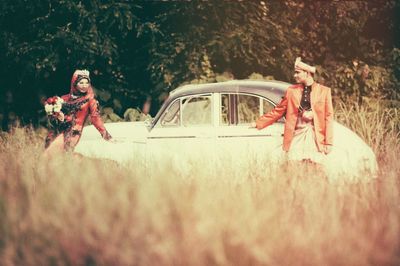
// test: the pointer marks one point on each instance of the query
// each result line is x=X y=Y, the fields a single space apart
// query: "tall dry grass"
x=76 y=211
x=377 y=124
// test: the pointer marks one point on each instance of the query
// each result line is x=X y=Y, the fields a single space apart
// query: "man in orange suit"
x=308 y=132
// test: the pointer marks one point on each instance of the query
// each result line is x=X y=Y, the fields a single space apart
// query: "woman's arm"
x=96 y=119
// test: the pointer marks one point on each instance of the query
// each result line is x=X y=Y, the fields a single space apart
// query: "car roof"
x=273 y=89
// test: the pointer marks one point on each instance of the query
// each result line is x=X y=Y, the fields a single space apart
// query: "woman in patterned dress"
x=67 y=121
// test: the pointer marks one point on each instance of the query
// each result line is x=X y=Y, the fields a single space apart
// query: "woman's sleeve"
x=96 y=119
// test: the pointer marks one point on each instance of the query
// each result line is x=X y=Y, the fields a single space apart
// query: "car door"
x=184 y=136
x=237 y=141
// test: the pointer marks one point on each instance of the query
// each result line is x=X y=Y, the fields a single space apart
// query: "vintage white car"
x=210 y=124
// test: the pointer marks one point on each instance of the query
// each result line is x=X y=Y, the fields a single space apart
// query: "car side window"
x=267 y=106
x=243 y=108
x=171 y=116
x=248 y=107
x=196 y=110
x=225 y=114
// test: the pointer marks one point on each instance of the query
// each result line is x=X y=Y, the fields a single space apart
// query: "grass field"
x=74 y=211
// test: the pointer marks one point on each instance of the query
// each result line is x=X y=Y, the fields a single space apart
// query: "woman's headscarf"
x=78 y=76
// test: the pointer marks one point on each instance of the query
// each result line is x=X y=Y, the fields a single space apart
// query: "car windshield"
x=171 y=115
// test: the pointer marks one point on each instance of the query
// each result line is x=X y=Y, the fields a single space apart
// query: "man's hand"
x=327 y=149
x=253 y=125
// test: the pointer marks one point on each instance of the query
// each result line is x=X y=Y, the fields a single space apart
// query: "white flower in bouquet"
x=58 y=106
x=48 y=108
x=53 y=105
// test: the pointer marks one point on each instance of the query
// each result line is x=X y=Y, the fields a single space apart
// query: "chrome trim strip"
x=241 y=136
x=174 y=137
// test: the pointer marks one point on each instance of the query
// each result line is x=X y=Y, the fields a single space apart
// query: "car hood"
x=131 y=131
x=128 y=142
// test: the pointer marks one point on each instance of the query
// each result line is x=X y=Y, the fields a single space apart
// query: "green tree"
x=139 y=48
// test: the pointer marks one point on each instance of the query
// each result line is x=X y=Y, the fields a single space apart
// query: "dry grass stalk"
x=74 y=211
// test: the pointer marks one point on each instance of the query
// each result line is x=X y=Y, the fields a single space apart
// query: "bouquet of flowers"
x=53 y=105
x=58 y=119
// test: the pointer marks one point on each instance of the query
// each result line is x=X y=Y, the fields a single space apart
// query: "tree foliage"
x=139 y=48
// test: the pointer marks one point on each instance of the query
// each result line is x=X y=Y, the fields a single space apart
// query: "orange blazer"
x=321 y=104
